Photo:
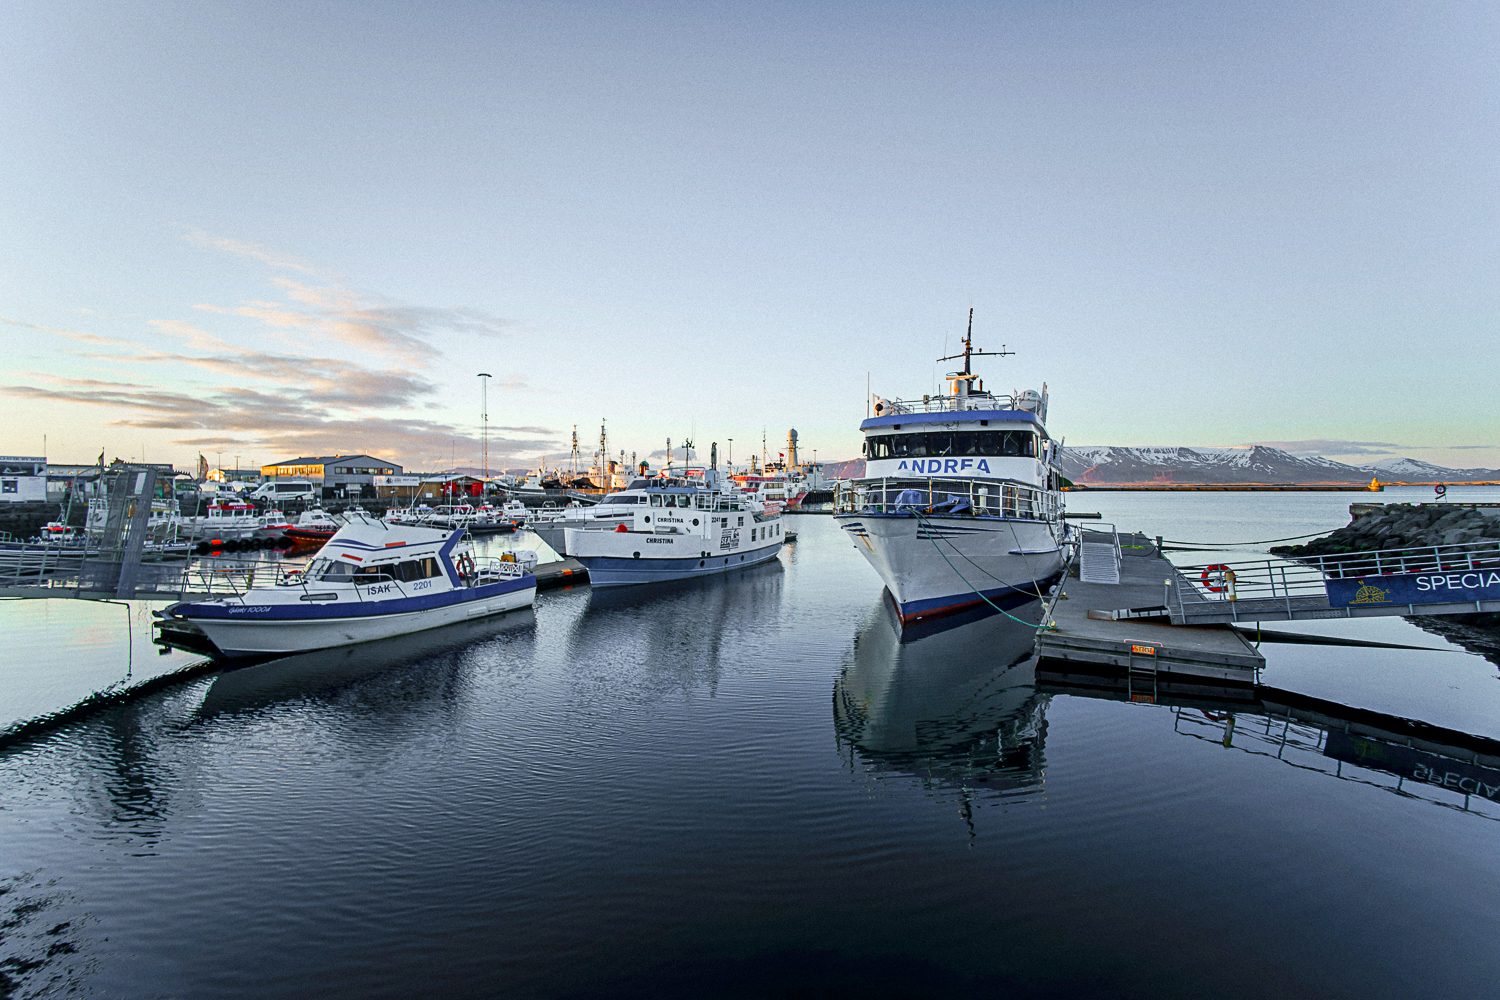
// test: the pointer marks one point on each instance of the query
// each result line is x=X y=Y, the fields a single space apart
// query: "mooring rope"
x=1225 y=545
x=976 y=590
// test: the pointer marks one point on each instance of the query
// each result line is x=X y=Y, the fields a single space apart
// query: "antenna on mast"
x=967 y=376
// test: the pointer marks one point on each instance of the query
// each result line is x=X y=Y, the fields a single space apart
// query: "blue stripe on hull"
x=936 y=607
x=608 y=571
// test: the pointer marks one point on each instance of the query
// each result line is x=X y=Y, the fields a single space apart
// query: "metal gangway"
x=119 y=558
x=1462 y=578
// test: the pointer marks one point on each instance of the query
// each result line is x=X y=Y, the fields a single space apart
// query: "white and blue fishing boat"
x=677 y=532
x=371 y=580
x=961 y=502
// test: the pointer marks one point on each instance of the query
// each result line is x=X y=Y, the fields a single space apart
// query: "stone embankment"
x=1401 y=526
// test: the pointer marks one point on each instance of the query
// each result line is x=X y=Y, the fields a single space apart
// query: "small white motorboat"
x=372 y=580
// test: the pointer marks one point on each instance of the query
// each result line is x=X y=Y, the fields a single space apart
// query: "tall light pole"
x=484 y=408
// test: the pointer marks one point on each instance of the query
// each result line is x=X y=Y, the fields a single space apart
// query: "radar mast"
x=964 y=382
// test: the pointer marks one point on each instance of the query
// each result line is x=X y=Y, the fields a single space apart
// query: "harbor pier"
x=1125 y=606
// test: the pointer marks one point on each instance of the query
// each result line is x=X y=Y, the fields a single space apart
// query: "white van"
x=288 y=490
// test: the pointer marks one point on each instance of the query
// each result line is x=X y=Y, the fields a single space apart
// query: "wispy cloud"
x=239 y=248
x=75 y=335
x=270 y=420
x=1325 y=447
x=284 y=388
x=362 y=322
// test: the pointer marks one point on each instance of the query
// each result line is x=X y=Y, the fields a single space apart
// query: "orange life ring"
x=1225 y=574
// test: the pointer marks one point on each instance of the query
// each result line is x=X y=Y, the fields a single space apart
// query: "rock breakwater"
x=1403 y=526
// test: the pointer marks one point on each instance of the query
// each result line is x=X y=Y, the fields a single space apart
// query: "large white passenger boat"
x=676 y=532
x=960 y=503
x=370 y=581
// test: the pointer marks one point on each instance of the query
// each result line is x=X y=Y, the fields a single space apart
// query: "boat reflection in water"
x=438 y=653
x=953 y=702
x=1410 y=757
x=637 y=644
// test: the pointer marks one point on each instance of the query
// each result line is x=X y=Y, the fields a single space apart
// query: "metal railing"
x=947 y=498
x=73 y=572
x=1299 y=583
x=947 y=403
x=1091 y=540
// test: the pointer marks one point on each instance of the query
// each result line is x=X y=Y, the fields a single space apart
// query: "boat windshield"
x=329 y=569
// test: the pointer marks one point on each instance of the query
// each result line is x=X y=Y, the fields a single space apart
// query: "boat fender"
x=621 y=527
x=1217 y=578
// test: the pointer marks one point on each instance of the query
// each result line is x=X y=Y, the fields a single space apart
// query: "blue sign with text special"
x=1447 y=587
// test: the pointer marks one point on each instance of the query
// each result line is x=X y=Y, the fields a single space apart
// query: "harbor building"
x=346 y=473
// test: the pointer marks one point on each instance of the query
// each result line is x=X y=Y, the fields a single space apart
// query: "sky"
x=265 y=230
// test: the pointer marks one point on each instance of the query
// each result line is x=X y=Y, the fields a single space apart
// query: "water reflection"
x=435 y=654
x=1407 y=756
x=670 y=636
x=1478 y=633
x=954 y=703
x=134 y=777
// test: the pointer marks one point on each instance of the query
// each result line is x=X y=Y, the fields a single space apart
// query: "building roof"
x=325 y=460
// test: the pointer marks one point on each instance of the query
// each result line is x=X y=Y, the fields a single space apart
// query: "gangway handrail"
x=1290 y=580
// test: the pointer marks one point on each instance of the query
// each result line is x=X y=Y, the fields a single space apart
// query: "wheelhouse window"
x=995 y=444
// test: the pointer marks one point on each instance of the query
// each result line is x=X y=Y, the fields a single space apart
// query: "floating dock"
x=1129 y=608
x=560 y=573
x=1147 y=648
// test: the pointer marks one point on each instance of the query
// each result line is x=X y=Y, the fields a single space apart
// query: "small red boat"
x=315 y=525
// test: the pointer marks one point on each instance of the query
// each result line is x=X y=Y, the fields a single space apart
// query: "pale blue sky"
x=303 y=227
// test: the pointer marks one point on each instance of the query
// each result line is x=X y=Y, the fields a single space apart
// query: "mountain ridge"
x=1255 y=464
x=1116 y=464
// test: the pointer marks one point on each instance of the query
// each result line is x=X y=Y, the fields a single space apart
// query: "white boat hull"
x=622 y=558
x=934 y=565
x=255 y=638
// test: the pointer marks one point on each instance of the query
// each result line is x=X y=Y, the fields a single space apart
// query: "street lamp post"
x=485 y=417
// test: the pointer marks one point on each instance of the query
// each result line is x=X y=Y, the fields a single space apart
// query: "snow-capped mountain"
x=1251 y=464
x=1417 y=470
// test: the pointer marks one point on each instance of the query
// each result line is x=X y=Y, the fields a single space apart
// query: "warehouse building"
x=346 y=474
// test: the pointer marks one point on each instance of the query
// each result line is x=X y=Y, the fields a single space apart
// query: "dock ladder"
x=1141 y=670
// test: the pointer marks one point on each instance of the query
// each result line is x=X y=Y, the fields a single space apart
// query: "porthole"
x=648 y=518
x=700 y=563
x=695 y=522
x=635 y=555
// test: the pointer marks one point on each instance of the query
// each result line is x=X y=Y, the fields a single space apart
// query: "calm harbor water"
x=734 y=787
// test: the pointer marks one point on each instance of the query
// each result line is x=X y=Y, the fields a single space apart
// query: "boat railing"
x=947 y=498
x=945 y=403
